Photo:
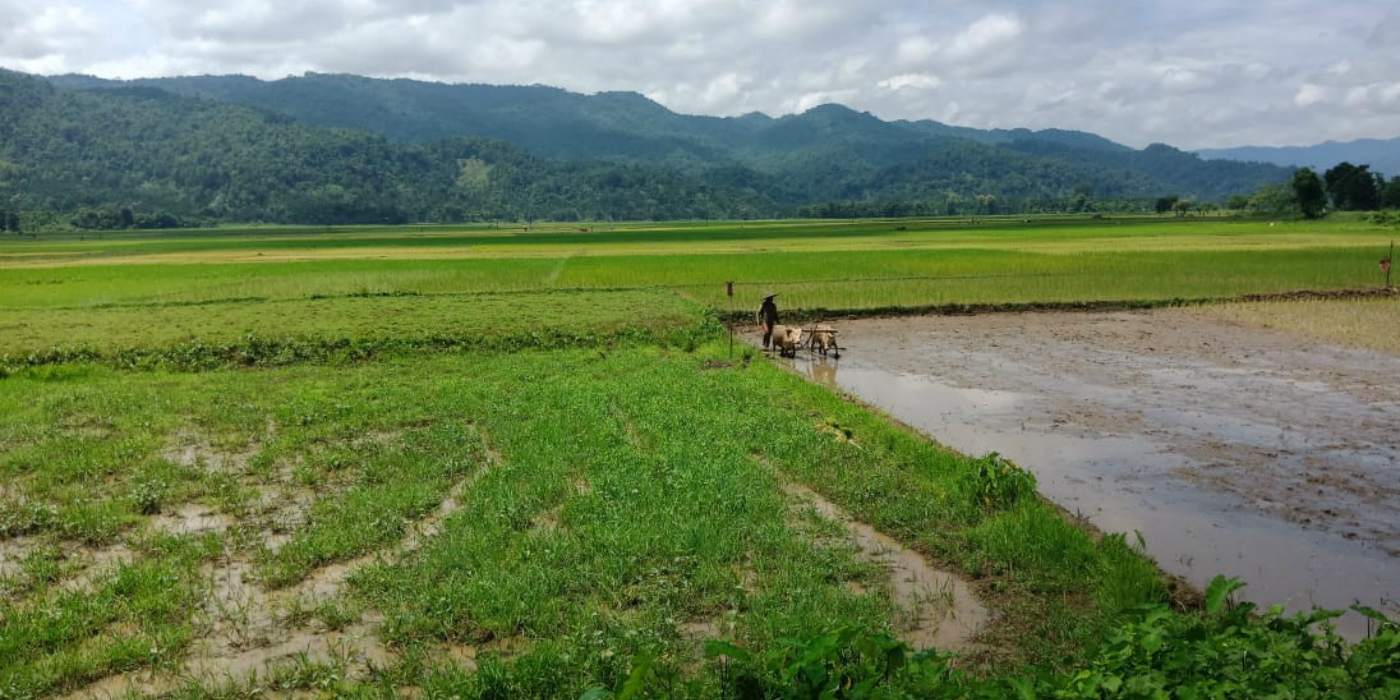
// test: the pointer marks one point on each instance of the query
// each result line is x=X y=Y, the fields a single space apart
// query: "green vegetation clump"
x=998 y=482
x=1225 y=651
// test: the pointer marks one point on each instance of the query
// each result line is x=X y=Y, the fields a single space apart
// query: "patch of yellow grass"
x=1373 y=324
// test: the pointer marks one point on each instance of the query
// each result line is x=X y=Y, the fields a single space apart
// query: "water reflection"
x=1123 y=481
x=822 y=370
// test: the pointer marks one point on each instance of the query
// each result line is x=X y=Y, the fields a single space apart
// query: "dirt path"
x=1233 y=450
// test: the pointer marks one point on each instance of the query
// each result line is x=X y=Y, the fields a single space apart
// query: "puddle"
x=1233 y=451
x=99 y=563
x=191 y=448
x=936 y=608
x=191 y=518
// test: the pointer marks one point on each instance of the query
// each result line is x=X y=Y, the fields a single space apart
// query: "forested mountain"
x=554 y=123
x=1382 y=155
x=334 y=148
x=147 y=150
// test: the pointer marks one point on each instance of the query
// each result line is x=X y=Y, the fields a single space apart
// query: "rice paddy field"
x=490 y=463
x=1373 y=324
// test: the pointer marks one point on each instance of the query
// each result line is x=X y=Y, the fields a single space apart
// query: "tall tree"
x=1353 y=187
x=1307 y=188
x=1274 y=199
x=1390 y=196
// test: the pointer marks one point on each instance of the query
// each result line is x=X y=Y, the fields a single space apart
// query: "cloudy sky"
x=1193 y=73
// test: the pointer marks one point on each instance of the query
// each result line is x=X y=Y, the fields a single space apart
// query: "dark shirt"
x=768 y=313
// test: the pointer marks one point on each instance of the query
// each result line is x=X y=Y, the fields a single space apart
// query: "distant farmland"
x=479 y=462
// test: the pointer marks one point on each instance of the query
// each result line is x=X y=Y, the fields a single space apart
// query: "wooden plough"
x=809 y=339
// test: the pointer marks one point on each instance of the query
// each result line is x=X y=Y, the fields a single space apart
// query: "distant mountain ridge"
x=1383 y=155
x=337 y=149
x=606 y=124
x=811 y=150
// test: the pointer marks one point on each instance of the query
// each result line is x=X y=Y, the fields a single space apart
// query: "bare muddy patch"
x=191 y=518
x=935 y=608
x=192 y=448
x=248 y=634
x=1232 y=450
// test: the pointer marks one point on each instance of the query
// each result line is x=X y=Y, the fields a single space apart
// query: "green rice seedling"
x=303 y=673
x=1364 y=323
x=817 y=265
x=36 y=570
x=132 y=617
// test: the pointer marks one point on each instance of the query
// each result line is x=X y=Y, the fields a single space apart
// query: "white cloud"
x=724 y=89
x=1383 y=98
x=1201 y=74
x=987 y=34
x=38 y=32
x=917 y=81
x=916 y=49
x=1309 y=94
x=1182 y=80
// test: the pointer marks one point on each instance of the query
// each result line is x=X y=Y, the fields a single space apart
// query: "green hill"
x=338 y=149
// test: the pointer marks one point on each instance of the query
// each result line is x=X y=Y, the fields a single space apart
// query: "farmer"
x=767 y=318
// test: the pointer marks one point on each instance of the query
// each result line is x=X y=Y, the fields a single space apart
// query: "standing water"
x=1230 y=450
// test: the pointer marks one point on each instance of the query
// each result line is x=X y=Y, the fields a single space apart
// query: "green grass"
x=814 y=264
x=374 y=320
x=612 y=498
x=126 y=617
x=671 y=237
x=612 y=481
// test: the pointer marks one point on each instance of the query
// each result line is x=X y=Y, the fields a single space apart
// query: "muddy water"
x=1231 y=450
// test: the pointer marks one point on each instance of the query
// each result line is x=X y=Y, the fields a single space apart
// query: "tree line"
x=1343 y=187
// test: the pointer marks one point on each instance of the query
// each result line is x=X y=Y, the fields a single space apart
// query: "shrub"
x=997 y=482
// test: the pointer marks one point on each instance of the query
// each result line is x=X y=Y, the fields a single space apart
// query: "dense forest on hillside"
x=341 y=149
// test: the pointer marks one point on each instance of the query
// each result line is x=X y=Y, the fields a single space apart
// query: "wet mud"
x=935 y=608
x=1232 y=450
x=246 y=631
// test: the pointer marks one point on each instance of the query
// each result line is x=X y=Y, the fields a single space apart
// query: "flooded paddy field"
x=1231 y=450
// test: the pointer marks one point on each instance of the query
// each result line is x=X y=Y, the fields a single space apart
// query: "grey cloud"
x=1386 y=34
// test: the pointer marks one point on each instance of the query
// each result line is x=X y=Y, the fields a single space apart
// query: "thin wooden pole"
x=1389 y=263
x=729 y=290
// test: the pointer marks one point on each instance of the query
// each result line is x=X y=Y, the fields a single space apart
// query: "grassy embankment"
x=525 y=520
